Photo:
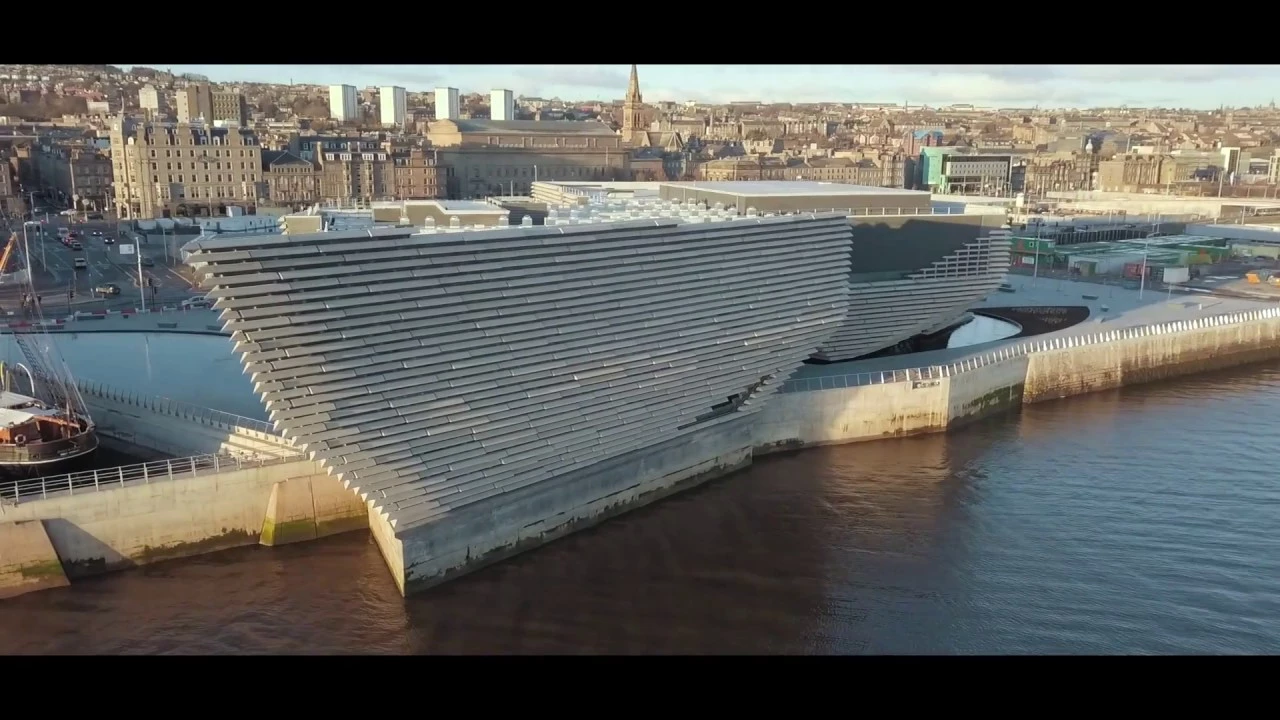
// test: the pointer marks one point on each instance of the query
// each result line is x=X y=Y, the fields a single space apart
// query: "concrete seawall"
x=1143 y=358
x=61 y=529
x=873 y=406
x=918 y=401
x=509 y=524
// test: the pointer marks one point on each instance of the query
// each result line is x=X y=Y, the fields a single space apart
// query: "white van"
x=80 y=263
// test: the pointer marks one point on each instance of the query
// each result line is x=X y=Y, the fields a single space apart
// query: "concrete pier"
x=876 y=404
x=159 y=511
x=249 y=486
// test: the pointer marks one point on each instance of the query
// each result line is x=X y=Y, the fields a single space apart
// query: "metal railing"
x=185 y=410
x=42 y=488
x=917 y=374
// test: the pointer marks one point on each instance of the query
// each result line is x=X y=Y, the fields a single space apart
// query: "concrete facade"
x=342 y=103
x=447 y=105
x=501 y=527
x=194 y=103
x=446 y=372
x=502 y=105
x=440 y=370
x=392 y=106
x=911 y=275
x=912 y=269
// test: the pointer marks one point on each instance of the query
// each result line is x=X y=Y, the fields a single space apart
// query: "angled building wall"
x=434 y=373
x=915 y=274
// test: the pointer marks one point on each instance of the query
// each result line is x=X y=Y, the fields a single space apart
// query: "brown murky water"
x=1141 y=521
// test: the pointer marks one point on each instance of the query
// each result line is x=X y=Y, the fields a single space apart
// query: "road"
x=56 y=276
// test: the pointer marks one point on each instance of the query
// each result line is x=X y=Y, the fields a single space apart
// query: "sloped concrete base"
x=310 y=507
x=510 y=524
x=28 y=561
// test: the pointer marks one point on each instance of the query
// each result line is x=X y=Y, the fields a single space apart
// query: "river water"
x=1137 y=521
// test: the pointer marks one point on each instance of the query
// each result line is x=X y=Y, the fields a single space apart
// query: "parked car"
x=147 y=262
x=199 y=302
x=107 y=289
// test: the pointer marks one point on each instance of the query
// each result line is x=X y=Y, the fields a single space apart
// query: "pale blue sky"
x=1201 y=86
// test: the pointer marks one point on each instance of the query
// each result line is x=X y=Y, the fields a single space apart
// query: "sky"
x=1196 y=86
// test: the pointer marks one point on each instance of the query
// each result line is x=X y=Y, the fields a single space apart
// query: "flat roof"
x=466 y=206
x=774 y=188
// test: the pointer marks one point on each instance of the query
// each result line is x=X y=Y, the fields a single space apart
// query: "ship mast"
x=36 y=344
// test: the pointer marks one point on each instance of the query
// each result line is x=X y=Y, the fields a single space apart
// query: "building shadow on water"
x=805 y=552
x=830 y=550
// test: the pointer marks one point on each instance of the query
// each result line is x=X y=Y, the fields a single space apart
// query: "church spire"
x=633 y=87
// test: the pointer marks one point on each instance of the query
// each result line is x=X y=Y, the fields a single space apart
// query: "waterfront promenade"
x=166 y=319
x=1111 y=307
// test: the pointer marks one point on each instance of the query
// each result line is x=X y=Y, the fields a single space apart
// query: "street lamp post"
x=1142 y=278
x=1035 y=267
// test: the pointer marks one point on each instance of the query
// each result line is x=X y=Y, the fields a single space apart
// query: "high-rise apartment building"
x=342 y=103
x=392 y=106
x=502 y=105
x=447 y=105
x=180 y=169
x=149 y=100
x=198 y=102
x=230 y=108
x=195 y=102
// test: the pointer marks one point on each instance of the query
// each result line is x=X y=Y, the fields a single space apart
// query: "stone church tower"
x=633 y=110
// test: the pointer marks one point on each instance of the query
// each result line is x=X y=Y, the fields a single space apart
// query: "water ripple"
x=1140 y=521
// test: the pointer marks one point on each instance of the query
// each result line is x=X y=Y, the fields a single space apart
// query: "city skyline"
x=1193 y=86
